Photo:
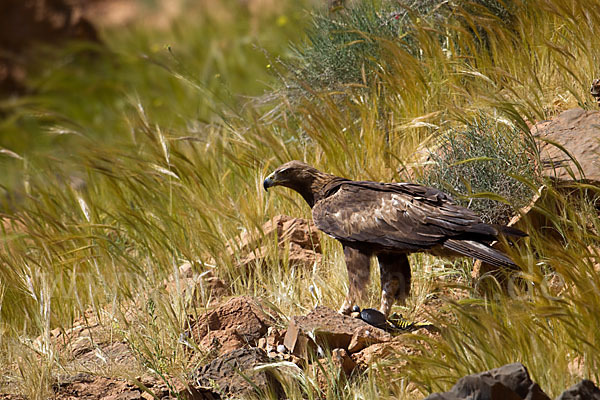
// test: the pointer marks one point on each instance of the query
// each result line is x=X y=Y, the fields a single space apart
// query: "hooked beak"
x=267 y=183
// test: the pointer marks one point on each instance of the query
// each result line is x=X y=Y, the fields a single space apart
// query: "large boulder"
x=509 y=382
x=578 y=132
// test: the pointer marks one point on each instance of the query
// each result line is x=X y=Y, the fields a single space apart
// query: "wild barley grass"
x=176 y=186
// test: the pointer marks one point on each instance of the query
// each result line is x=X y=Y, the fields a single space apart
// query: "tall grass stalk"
x=98 y=227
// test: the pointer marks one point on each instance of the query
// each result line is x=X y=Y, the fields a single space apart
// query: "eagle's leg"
x=358 y=265
x=395 y=280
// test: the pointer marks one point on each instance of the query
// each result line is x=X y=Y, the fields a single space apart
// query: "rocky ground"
x=239 y=344
x=248 y=345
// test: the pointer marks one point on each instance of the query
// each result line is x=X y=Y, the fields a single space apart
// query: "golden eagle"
x=389 y=221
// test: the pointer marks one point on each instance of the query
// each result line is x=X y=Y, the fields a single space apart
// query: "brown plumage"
x=389 y=221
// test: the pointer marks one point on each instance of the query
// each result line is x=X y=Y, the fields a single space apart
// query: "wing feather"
x=395 y=216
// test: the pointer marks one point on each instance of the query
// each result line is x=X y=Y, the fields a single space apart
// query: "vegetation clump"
x=484 y=163
x=345 y=44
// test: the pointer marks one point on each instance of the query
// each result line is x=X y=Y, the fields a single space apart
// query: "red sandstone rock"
x=328 y=329
x=295 y=237
x=238 y=322
x=578 y=131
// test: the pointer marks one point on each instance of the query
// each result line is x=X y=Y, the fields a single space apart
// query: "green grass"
x=173 y=160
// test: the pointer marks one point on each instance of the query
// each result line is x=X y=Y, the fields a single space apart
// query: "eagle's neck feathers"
x=313 y=186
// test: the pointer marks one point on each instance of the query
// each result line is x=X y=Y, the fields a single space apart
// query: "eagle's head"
x=291 y=174
x=298 y=176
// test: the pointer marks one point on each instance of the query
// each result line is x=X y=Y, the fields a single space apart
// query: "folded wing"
x=404 y=217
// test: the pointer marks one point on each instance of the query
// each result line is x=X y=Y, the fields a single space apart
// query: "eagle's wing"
x=395 y=216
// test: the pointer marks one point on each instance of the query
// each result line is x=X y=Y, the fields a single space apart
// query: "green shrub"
x=344 y=45
x=341 y=47
x=484 y=158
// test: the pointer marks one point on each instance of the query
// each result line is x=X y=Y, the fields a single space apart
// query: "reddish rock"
x=578 y=131
x=295 y=256
x=117 y=353
x=243 y=315
x=272 y=341
x=90 y=346
x=296 y=237
x=381 y=351
x=223 y=341
x=342 y=359
x=296 y=230
x=92 y=387
x=191 y=283
x=330 y=330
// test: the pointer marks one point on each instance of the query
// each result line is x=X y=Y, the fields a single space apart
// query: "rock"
x=92 y=387
x=578 y=131
x=342 y=359
x=198 y=393
x=89 y=345
x=295 y=236
x=397 y=348
x=509 y=382
x=330 y=330
x=584 y=390
x=190 y=283
x=241 y=321
x=113 y=354
x=223 y=341
x=234 y=374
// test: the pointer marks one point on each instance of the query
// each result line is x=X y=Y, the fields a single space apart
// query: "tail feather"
x=510 y=231
x=480 y=251
x=495 y=230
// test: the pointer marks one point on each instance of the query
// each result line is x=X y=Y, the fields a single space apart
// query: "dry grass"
x=167 y=191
